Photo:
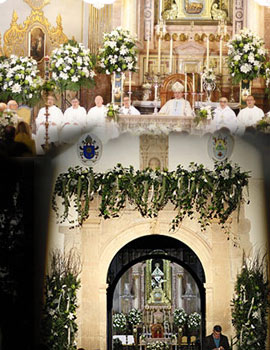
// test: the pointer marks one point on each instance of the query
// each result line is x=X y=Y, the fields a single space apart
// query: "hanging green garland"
x=210 y=193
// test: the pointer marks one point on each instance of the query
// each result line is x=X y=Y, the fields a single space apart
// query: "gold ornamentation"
x=217 y=13
x=1 y=49
x=16 y=38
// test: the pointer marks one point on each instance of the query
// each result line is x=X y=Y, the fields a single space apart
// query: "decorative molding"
x=154 y=151
x=37 y=4
x=149 y=19
x=239 y=15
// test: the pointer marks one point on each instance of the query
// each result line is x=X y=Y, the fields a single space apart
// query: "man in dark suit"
x=216 y=341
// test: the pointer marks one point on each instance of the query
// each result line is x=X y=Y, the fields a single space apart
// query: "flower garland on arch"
x=246 y=56
x=210 y=193
x=118 y=53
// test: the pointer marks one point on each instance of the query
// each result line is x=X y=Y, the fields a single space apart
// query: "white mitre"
x=177 y=87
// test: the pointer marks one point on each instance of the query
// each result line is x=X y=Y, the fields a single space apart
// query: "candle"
x=160 y=8
x=122 y=86
x=201 y=83
x=156 y=87
x=207 y=52
x=147 y=55
x=185 y=82
x=193 y=82
x=129 y=81
x=220 y=55
x=113 y=87
x=171 y=55
x=159 y=53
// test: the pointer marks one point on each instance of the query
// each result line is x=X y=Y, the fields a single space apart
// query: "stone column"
x=209 y=307
x=179 y=290
x=239 y=15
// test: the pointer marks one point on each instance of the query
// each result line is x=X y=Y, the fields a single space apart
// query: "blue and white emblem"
x=89 y=149
x=220 y=146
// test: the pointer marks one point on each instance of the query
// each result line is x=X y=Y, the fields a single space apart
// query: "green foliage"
x=250 y=306
x=134 y=317
x=119 y=322
x=210 y=193
x=59 y=315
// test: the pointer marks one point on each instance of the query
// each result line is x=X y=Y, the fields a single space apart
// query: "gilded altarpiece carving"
x=22 y=39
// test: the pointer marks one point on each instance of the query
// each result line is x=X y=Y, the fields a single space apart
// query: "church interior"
x=134 y=197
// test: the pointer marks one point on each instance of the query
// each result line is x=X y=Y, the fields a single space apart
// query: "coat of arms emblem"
x=220 y=146
x=89 y=149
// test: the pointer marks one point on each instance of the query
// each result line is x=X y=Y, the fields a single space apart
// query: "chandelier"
x=98 y=4
x=263 y=2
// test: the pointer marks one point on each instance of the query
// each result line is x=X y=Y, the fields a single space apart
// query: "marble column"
x=136 y=301
x=179 y=290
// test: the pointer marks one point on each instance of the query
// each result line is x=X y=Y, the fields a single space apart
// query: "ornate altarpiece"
x=36 y=36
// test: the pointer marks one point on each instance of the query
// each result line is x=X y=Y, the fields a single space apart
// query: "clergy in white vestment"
x=177 y=106
x=98 y=124
x=55 y=119
x=127 y=108
x=12 y=106
x=74 y=122
x=249 y=116
x=224 y=116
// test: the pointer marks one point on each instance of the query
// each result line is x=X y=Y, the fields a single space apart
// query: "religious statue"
x=171 y=13
x=194 y=7
x=157 y=277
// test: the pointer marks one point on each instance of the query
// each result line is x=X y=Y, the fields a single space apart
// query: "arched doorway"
x=153 y=247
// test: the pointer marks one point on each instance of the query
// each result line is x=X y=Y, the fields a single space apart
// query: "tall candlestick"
x=193 y=82
x=171 y=55
x=220 y=55
x=113 y=87
x=207 y=52
x=156 y=88
x=147 y=55
x=129 y=81
x=201 y=83
x=122 y=86
x=185 y=82
x=160 y=8
x=159 y=53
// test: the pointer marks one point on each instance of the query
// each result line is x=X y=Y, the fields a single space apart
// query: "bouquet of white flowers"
x=113 y=111
x=19 y=80
x=158 y=345
x=208 y=76
x=180 y=317
x=204 y=115
x=119 y=321
x=119 y=52
x=134 y=316
x=6 y=118
x=194 y=321
x=72 y=66
x=246 y=56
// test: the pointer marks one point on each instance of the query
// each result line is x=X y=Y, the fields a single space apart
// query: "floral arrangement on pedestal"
x=119 y=322
x=134 y=317
x=264 y=124
x=180 y=318
x=59 y=327
x=246 y=56
x=118 y=53
x=150 y=191
x=250 y=305
x=6 y=118
x=194 y=322
x=19 y=80
x=208 y=76
x=113 y=111
x=204 y=115
x=72 y=66
x=158 y=345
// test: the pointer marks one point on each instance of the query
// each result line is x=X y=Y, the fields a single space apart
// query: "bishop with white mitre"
x=74 y=122
x=55 y=119
x=249 y=116
x=97 y=123
x=224 y=116
x=177 y=106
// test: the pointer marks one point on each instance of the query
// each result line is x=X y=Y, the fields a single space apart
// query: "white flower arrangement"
x=246 y=56
x=194 y=321
x=158 y=345
x=118 y=53
x=72 y=66
x=119 y=321
x=134 y=316
x=6 y=118
x=208 y=76
x=180 y=317
x=19 y=80
x=112 y=111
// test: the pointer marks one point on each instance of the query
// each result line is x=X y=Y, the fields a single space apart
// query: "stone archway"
x=142 y=249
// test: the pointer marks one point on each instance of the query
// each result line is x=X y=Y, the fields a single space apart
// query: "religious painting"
x=37 y=44
x=193 y=7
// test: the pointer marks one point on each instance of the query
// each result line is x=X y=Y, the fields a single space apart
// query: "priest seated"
x=127 y=108
x=177 y=106
x=224 y=116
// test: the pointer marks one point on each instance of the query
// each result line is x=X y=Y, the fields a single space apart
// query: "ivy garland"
x=211 y=193
x=250 y=306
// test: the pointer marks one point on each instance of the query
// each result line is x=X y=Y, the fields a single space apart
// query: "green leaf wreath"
x=59 y=315
x=250 y=306
x=72 y=66
x=210 y=193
